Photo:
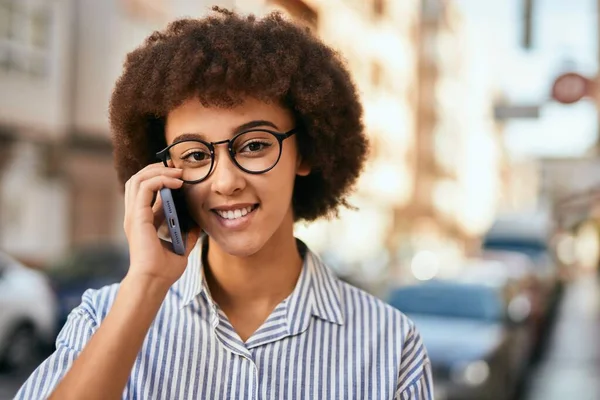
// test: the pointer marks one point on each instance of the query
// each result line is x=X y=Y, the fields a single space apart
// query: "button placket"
x=227 y=335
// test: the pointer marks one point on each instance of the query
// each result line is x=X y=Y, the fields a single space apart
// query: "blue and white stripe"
x=327 y=340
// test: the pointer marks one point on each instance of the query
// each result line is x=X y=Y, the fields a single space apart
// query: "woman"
x=258 y=124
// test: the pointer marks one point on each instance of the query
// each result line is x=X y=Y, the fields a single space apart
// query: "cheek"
x=194 y=198
x=281 y=184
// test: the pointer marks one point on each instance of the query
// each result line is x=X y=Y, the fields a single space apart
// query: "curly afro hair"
x=222 y=59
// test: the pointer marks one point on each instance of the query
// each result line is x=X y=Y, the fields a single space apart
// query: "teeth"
x=234 y=214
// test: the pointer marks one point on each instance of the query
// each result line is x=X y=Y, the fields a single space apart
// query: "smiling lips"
x=233 y=214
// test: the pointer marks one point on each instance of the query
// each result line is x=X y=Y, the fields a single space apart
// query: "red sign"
x=571 y=87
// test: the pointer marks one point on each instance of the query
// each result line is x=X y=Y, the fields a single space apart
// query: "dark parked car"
x=87 y=267
x=472 y=343
x=530 y=236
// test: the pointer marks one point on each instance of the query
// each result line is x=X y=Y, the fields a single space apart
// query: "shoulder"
x=95 y=303
x=372 y=313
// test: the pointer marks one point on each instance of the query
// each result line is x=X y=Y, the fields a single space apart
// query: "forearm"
x=102 y=369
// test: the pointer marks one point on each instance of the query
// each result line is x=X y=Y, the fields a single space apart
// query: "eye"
x=198 y=156
x=254 y=143
x=255 y=146
x=195 y=156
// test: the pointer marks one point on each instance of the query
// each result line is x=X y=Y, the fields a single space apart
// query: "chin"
x=241 y=246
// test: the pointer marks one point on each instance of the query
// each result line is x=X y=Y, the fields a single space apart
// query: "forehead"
x=217 y=123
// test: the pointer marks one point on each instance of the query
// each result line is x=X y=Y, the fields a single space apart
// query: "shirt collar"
x=318 y=288
x=191 y=283
x=317 y=292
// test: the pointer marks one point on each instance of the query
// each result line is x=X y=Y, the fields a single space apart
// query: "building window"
x=25 y=31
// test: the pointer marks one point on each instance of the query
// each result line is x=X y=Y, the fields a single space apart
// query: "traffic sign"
x=571 y=87
x=514 y=111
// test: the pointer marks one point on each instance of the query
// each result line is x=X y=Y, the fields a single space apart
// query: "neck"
x=262 y=280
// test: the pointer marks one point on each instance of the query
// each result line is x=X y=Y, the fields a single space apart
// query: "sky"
x=564 y=39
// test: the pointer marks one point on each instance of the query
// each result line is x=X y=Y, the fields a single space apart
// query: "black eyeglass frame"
x=163 y=155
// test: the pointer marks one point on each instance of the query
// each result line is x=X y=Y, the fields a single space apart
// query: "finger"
x=163 y=232
x=167 y=245
x=133 y=183
x=156 y=169
x=128 y=195
x=191 y=238
x=151 y=171
x=150 y=186
x=151 y=166
x=157 y=203
x=159 y=214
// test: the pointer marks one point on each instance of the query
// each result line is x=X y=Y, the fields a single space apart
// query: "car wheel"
x=21 y=350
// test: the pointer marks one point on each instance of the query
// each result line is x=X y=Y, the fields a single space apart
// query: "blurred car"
x=512 y=282
x=27 y=314
x=529 y=234
x=521 y=266
x=536 y=249
x=469 y=336
x=86 y=267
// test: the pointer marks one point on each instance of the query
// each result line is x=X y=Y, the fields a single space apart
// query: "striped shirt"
x=326 y=340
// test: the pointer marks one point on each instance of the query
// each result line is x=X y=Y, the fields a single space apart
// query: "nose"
x=227 y=179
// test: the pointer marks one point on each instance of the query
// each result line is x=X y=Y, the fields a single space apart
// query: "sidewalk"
x=571 y=367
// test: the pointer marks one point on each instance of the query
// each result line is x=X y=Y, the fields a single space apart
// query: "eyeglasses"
x=254 y=151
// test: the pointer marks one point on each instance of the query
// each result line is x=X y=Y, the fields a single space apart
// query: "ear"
x=302 y=167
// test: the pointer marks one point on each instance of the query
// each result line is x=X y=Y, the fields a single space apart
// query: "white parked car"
x=28 y=310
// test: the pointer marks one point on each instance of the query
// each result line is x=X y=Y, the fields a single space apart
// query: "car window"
x=532 y=248
x=454 y=301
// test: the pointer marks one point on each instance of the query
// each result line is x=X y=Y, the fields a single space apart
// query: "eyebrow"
x=254 y=124
x=241 y=128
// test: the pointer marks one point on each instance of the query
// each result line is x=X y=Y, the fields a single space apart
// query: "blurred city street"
x=477 y=215
x=571 y=367
x=568 y=370
x=10 y=383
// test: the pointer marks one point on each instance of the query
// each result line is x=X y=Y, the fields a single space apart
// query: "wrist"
x=146 y=285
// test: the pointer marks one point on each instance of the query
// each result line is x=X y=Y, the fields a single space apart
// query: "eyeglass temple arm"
x=290 y=133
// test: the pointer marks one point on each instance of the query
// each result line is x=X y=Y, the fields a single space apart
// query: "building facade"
x=431 y=180
x=458 y=152
x=58 y=64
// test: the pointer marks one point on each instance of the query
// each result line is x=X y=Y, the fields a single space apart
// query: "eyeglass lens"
x=254 y=151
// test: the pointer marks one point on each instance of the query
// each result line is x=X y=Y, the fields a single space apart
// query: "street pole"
x=597 y=80
x=527 y=40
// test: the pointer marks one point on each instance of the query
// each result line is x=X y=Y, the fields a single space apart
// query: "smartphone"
x=172 y=219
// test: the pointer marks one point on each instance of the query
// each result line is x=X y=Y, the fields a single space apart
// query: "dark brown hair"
x=222 y=59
